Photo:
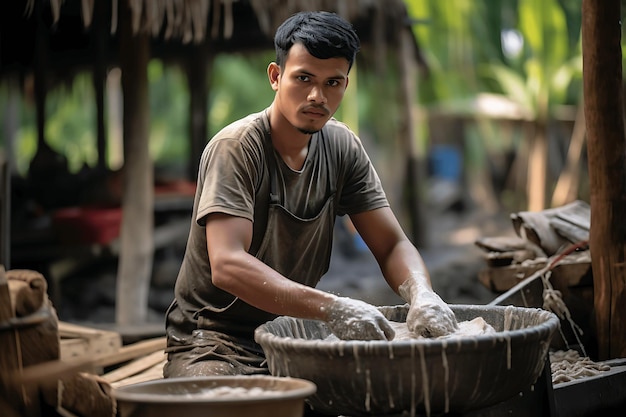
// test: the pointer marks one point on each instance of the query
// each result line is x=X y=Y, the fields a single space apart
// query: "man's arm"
x=405 y=271
x=234 y=270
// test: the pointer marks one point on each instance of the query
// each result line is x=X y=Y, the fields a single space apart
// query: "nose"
x=316 y=95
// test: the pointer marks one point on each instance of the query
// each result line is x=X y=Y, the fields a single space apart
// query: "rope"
x=553 y=299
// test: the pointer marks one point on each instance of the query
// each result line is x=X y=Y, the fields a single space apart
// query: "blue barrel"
x=446 y=162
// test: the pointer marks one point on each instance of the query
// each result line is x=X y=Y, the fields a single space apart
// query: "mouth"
x=315 y=112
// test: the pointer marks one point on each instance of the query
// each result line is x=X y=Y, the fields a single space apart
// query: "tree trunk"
x=136 y=235
x=606 y=148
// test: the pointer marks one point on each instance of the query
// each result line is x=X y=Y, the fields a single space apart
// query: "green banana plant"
x=466 y=45
x=539 y=77
x=538 y=80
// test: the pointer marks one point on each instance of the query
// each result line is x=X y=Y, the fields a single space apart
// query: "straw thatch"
x=184 y=19
x=188 y=20
x=271 y=13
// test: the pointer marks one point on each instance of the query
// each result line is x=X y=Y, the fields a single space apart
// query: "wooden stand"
x=80 y=341
x=49 y=367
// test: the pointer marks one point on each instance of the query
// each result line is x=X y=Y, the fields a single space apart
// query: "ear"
x=273 y=73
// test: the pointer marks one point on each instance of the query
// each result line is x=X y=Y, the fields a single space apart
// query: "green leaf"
x=513 y=85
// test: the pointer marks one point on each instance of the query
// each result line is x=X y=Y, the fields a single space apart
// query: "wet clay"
x=472 y=327
x=226 y=392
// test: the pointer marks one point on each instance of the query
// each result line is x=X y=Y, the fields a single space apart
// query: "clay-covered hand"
x=351 y=319
x=429 y=315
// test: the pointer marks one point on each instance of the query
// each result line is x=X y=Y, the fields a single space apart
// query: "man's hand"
x=428 y=315
x=351 y=319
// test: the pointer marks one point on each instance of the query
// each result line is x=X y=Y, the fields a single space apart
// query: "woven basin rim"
x=373 y=347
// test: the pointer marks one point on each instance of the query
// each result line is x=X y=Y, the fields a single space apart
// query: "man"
x=269 y=189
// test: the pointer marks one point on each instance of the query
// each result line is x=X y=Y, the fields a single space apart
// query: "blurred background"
x=470 y=110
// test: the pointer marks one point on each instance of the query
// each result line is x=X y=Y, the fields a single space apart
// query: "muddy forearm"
x=263 y=287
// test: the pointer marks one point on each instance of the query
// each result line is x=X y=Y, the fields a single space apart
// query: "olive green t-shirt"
x=234 y=178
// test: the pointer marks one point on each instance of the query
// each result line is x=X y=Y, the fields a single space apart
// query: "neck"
x=291 y=144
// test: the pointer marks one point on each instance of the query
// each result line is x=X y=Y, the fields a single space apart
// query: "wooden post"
x=136 y=234
x=199 y=66
x=602 y=76
x=5 y=211
x=99 y=78
x=415 y=164
x=41 y=79
x=537 y=164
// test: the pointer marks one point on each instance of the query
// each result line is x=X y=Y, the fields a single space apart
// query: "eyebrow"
x=305 y=72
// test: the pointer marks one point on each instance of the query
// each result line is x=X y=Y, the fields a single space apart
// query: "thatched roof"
x=188 y=19
x=70 y=27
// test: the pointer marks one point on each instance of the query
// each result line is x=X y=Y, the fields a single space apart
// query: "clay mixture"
x=228 y=393
x=473 y=327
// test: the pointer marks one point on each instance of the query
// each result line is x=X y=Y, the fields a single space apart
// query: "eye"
x=333 y=83
x=303 y=78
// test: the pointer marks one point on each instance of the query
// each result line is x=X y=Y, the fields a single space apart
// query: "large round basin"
x=456 y=374
x=218 y=396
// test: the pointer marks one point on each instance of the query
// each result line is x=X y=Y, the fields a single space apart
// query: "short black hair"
x=324 y=35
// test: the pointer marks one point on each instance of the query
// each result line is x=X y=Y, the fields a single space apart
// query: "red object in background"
x=99 y=225
x=175 y=187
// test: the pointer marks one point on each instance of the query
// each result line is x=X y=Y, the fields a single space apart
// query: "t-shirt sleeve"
x=362 y=189
x=226 y=180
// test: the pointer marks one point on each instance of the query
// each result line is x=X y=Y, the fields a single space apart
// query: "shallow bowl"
x=218 y=396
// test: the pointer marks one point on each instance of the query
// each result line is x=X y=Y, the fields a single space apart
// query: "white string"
x=553 y=301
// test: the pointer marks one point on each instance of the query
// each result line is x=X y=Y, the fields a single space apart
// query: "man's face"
x=308 y=90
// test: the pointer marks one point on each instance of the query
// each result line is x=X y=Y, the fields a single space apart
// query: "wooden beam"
x=606 y=149
x=51 y=371
x=136 y=235
x=136 y=366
